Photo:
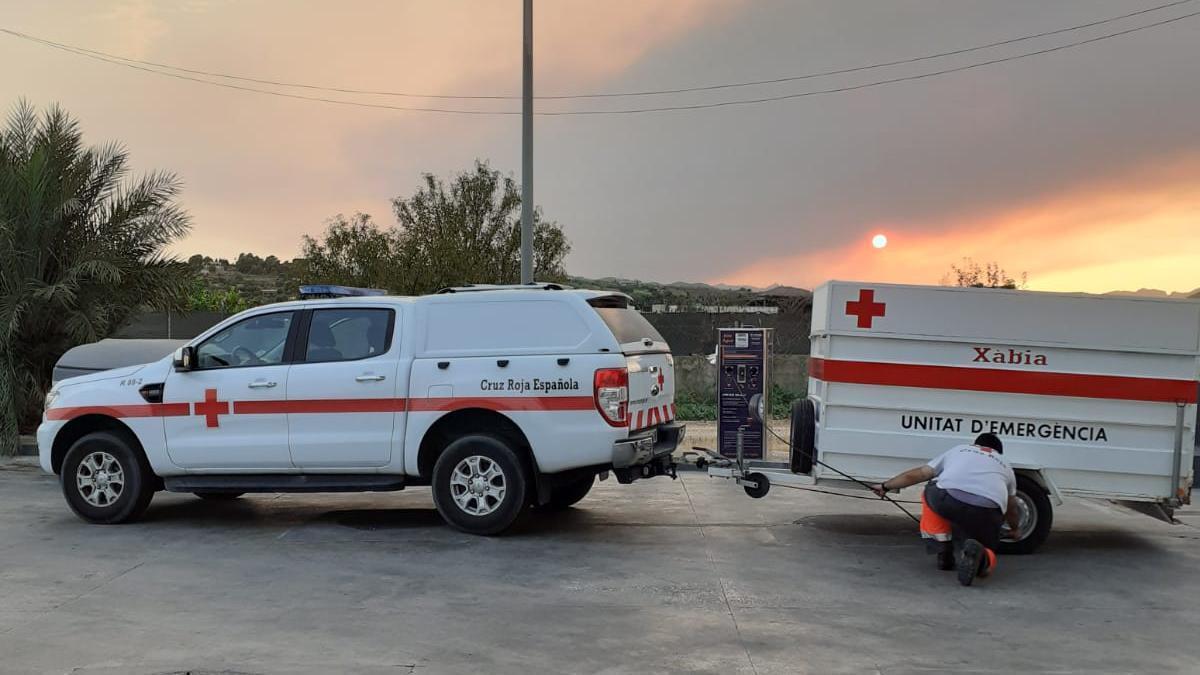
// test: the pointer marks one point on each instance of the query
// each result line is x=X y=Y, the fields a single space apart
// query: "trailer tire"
x=764 y=486
x=1031 y=496
x=803 y=434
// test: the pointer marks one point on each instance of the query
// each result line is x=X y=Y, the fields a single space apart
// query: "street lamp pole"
x=527 y=149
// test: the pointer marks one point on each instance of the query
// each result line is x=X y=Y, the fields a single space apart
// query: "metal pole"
x=741 y=444
x=527 y=150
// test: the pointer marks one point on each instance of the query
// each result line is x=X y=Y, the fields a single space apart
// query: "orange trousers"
x=937 y=528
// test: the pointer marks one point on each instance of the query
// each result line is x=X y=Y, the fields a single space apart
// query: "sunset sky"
x=1079 y=167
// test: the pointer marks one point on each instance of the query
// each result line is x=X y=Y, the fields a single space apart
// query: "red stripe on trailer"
x=962 y=378
x=137 y=410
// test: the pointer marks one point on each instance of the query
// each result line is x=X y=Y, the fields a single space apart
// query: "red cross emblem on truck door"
x=211 y=408
x=865 y=308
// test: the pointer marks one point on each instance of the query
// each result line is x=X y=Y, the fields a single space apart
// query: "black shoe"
x=968 y=563
x=945 y=560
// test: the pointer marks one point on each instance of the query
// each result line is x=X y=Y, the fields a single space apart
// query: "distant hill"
x=646 y=293
x=1156 y=293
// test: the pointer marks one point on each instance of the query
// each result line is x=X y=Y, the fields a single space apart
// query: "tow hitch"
x=659 y=466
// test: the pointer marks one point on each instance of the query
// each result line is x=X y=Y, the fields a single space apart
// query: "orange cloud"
x=260 y=171
x=1136 y=230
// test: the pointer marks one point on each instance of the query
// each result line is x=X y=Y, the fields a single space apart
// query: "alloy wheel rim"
x=478 y=485
x=1027 y=520
x=100 y=479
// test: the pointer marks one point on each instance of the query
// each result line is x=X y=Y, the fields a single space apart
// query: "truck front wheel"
x=106 y=480
x=1037 y=515
x=479 y=485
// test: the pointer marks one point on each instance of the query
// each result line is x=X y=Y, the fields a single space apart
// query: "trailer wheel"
x=1037 y=515
x=804 y=434
x=764 y=486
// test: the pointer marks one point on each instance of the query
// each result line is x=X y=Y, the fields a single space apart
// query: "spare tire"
x=804 y=436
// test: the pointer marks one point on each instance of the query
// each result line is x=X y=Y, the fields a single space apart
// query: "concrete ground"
x=687 y=575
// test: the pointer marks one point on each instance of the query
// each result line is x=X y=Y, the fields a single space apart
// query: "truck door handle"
x=370 y=378
x=261 y=385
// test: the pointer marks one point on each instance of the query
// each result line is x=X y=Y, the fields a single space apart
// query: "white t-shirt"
x=981 y=472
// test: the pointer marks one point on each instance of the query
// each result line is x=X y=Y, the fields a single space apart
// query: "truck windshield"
x=626 y=323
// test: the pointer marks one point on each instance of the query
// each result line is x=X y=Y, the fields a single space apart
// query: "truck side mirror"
x=185 y=359
x=757 y=406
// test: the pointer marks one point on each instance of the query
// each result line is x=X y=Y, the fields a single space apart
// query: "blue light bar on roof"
x=314 y=291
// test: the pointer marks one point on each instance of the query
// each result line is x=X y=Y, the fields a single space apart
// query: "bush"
x=690 y=407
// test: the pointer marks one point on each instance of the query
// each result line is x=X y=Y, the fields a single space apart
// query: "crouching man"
x=962 y=510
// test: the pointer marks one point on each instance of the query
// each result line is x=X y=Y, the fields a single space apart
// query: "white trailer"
x=1093 y=396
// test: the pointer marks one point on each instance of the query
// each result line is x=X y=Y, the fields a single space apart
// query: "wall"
x=176 y=326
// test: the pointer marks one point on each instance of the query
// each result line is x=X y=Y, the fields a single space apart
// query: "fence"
x=696 y=332
x=696 y=378
x=687 y=332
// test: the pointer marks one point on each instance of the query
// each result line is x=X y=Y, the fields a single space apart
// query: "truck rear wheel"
x=479 y=485
x=1037 y=515
x=568 y=494
x=105 y=479
x=218 y=496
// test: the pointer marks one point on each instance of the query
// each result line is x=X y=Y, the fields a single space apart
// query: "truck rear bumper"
x=656 y=443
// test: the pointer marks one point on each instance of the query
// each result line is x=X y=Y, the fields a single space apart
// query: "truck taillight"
x=610 y=390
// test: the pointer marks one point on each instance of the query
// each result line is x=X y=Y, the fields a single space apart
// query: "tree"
x=354 y=252
x=467 y=230
x=81 y=248
x=971 y=274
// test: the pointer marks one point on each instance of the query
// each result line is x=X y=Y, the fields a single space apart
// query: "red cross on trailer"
x=211 y=408
x=865 y=308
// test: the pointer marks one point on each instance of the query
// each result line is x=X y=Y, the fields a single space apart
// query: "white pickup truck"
x=498 y=397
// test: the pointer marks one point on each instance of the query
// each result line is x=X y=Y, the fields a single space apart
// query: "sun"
x=879 y=241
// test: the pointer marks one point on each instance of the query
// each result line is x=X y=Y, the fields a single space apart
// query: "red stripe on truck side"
x=340 y=405
x=1004 y=381
x=503 y=403
x=331 y=405
x=137 y=410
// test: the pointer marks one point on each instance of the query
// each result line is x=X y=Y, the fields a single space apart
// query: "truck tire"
x=568 y=494
x=1037 y=517
x=218 y=496
x=479 y=485
x=803 y=436
x=106 y=480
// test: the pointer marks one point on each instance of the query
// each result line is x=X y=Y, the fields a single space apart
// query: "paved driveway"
x=687 y=575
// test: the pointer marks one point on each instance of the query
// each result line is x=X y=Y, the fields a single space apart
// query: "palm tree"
x=81 y=248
